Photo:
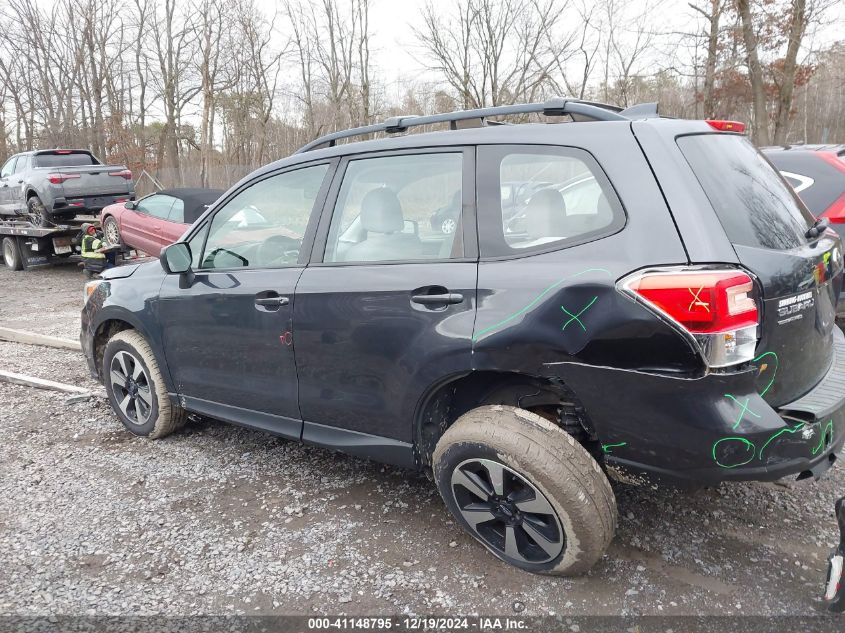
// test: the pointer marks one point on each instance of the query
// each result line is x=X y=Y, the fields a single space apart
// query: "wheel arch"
x=112 y=322
x=446 y=401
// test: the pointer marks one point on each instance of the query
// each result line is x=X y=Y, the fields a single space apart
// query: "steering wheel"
x=278 y=250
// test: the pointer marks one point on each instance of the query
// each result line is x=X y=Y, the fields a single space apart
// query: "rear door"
x=386 y=308
x=800 y=276
x=17 y=198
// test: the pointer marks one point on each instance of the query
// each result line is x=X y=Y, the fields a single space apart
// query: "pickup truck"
x=51 y=186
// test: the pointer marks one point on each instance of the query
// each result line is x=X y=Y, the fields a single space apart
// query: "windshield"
x=754 y=204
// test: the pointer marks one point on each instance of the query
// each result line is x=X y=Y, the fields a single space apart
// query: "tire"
x=157 y=418
x=12 y=254
x=38 y=215
x=565 y=515
x=111 y=230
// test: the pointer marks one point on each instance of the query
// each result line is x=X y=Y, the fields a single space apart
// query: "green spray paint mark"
x=535 y=301
x=743 y=409
x=607 y=448
x=576 y=317
x=828 y=430
x=774 y=373
x=774 y=436
x=747 y=444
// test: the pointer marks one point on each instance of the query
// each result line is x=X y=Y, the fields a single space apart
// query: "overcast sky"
x=397 y=57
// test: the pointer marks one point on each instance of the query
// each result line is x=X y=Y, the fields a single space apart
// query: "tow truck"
x=26 y=246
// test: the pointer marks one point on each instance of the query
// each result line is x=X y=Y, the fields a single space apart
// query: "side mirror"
x=131 y=205
x=176 y=258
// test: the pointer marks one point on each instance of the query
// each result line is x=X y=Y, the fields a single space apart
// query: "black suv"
x=674 y=320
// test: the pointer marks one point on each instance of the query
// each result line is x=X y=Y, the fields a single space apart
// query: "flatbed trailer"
x=26 y=246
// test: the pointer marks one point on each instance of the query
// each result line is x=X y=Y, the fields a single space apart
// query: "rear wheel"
x=111 y=231
x=136 y=388
x=12 y=254
x=37 y=212
x=526 y=490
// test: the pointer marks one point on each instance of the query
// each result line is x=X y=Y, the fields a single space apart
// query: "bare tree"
x=712 y=13
x=760 y=122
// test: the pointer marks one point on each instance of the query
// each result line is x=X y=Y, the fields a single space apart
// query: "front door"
x=227 y=329
x=143 y=223
x=387 y=308
x=6 y=186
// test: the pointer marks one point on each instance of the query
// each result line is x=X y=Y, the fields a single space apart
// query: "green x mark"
x=576 y=317
x=743 y=409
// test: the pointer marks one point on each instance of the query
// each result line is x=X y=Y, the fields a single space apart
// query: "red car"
x=157 y=220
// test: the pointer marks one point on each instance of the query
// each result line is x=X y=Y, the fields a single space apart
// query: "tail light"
x=125 y=173
x=715 y=308
x=58 y=179
x=726 y=126
x=835 y=213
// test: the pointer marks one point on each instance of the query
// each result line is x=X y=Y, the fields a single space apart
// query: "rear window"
x=755 y=206
x=73 y=159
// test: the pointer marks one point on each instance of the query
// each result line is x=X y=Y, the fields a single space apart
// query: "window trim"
x=490 y=159
x=468 y=206
x=310 y=229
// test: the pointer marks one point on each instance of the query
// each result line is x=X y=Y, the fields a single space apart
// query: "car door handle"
x=271 y=302
x=443 y=299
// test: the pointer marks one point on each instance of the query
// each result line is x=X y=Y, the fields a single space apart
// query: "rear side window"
x=542 y=198
x=755 y=206
x=72 y=159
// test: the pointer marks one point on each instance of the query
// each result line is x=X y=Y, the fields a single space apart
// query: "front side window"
x=8 y=167
x=156 y=206
x=263 y=225
x=177 y=211
x=398 y=208
x=549 y=197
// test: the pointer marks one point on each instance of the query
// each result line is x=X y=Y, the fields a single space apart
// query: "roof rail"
x=558 y=106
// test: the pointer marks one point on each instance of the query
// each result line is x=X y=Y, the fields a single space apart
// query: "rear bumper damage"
x=718 y=427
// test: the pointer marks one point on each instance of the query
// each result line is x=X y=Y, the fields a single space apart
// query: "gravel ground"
x=220 y=520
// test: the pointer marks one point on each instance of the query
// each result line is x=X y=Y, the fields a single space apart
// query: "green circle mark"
x=748 y=445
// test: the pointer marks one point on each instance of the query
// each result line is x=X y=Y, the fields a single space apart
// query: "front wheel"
x=136 y=388
x=526 y=490
x=111 y=231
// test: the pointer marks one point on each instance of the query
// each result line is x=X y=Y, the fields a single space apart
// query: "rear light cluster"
x=125 y=173
x=715 y=308
x=726 y=126
x=58 y=179
x=835 y=213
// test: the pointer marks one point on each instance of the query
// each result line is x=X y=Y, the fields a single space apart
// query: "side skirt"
x=381 y=449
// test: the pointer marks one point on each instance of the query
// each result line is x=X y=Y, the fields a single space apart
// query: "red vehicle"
x=157 y=220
